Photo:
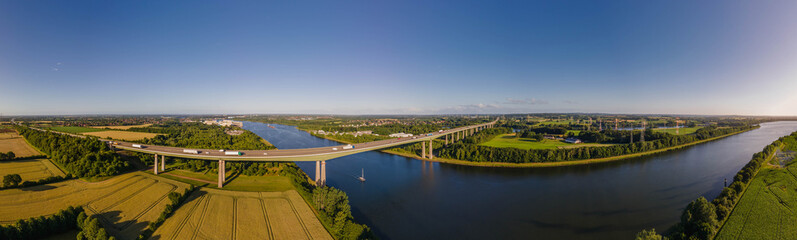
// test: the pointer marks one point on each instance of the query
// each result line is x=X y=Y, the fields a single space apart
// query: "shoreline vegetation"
x=539 y=164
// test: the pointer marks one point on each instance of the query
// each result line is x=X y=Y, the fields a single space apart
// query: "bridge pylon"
x=155 y=166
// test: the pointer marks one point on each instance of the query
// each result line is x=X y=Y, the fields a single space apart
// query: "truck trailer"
x=348 y=146
x=137 y=146
x=232 y=153
x=192 y=151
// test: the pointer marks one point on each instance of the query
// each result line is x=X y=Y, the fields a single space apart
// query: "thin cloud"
x=570 y=102
x=527 y=101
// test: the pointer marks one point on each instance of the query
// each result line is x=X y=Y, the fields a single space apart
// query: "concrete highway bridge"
x=319 y=154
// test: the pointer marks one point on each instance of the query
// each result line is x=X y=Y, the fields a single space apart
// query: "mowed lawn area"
x=10 y=141
x=510 y=141
x=768 y=208
x=124 y=204
x=681 y=131
x=121 y=135
x=122 y=127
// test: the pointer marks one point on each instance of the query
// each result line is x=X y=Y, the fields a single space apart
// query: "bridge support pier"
x=423 y=149
x=447 y=136
x=431 y=155
x=163 y=163
x=222 y=173
x=323 y=173
x=318 y=173
x=155 y=167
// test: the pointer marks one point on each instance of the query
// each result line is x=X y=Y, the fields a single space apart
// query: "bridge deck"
x=305 y=154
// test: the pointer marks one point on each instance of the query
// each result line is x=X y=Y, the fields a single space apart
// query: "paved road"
x=305 y=154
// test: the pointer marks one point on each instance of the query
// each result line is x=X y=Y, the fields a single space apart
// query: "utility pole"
x=642 y=134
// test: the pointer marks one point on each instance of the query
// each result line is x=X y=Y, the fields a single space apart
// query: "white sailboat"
x=362 y=177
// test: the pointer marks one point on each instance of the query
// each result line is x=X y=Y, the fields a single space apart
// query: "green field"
x=509 y=141
x=681 y=131
x=767 y=208
x=76 y=129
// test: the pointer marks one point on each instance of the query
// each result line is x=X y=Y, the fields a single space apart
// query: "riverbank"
x=543 y=164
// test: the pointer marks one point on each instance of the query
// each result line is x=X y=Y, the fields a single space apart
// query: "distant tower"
x=642 y=133
x=676 y=126
x=600 y=124
x=632 y=136
x=615 y=124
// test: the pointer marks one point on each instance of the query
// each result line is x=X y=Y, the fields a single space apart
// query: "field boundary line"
x=265 y=215
x=234 y=216
x=299 y=217
x=151 y=206
x=188 y=217
x=201 y=217
x=128 y=197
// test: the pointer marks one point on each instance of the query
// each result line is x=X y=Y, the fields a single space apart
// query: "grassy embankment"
x=766 y=209
x=510 y=141
x=547 y=164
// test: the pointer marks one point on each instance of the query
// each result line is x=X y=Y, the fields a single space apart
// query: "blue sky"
x=404 y=57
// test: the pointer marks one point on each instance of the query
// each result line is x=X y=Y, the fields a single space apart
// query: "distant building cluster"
x=224 y=122
x=357 y=133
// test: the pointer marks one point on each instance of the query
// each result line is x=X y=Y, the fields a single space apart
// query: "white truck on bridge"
x=193 y=151
x=235 y=153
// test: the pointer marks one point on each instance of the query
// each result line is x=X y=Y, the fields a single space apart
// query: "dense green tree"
x=11 y=180
x=648 y=235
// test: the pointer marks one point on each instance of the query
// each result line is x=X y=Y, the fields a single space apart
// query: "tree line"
x=15 y=181
x=71 y=218
x=470 y=150
x=7 y=156
x=82 y=157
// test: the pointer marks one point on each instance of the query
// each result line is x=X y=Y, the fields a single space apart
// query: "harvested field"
x=123 y=127
x=11 y=141
x=121 y=135
x=30 y=169
x=216 y=214
x=125 y=204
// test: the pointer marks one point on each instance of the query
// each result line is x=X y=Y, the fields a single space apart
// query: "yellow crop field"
x=121 y=135
x=216 y=214
x=30 y=169
x=11 y=141
x=123 y=127
x=125 y=204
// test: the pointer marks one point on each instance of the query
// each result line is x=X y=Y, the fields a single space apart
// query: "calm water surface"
x=405 y=198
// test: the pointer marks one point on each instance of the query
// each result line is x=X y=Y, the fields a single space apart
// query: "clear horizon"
x=407 y=58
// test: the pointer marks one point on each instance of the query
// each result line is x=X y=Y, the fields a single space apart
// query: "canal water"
x=404 y=198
